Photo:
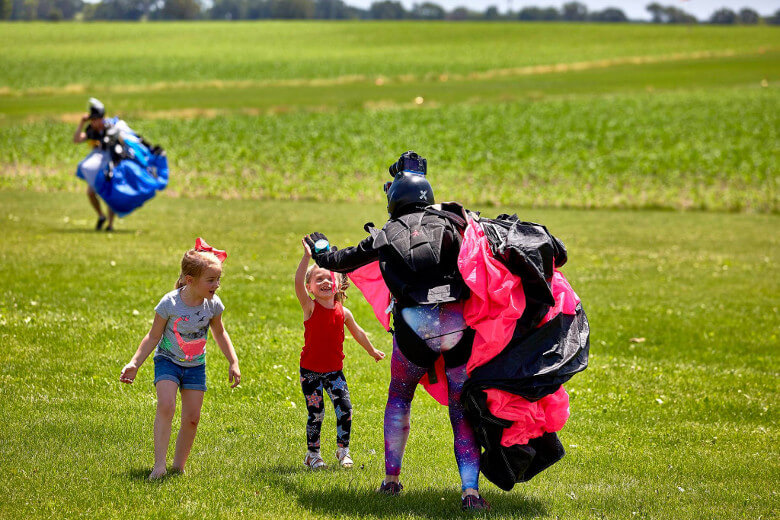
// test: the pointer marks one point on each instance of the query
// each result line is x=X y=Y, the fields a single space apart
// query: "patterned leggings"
x=404 y=378
x=335 y=384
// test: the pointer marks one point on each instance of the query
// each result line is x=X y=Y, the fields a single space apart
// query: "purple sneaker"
x=390 y=488
x=474 y=503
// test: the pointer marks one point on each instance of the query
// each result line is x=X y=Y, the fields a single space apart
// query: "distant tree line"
x=55 y=10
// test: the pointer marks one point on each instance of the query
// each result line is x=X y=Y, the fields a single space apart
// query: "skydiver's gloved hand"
x=318 y=244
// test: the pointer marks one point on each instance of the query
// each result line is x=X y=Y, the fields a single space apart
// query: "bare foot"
x=176 y=471
x=157 y=473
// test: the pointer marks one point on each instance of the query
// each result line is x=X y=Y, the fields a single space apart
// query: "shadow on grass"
x=355 y=500
x=142 y=473
x=139 y=473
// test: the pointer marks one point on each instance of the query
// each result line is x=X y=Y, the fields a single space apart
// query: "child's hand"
x=378 y=355
x=306 y=248
x=129 y=373
x=234 y=375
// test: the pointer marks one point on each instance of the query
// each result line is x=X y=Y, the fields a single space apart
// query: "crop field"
x=608 y=134
x=117 y=55
x=537 y=115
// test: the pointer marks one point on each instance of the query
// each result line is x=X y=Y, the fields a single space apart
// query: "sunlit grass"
x=709 y=149
x=679 y=425
x=98 y=54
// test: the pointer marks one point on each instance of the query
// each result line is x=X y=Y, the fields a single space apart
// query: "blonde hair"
x=341 y=281
x=193 y=263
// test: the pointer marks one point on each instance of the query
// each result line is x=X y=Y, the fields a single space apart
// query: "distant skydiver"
x=481 y=317
x=122 y=168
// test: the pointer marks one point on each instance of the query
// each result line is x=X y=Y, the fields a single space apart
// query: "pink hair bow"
x=201 y=245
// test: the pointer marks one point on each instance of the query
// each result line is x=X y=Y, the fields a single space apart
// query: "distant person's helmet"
x=96 y=109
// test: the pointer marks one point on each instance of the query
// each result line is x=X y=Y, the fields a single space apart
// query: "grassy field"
x=705 y=150
x=547 y=115
x=96 y=54
x=682 y=425
x=278 y=129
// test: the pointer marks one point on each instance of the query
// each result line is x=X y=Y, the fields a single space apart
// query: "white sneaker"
x=313 y=460
x=344 y=459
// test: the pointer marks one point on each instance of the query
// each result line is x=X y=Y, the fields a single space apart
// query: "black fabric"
x=505 y=466
x=528 y=250
x=97 y=135
x=549 y=450
x=349 y=258
x=536 y=363
x=532 y=366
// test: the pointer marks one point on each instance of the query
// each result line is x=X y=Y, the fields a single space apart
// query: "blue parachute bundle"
x=124 y=171
x=129 y=184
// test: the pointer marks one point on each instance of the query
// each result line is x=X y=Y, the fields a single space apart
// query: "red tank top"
x=323 y=349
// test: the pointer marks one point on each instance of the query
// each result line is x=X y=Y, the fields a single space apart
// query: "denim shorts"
x=188 y=378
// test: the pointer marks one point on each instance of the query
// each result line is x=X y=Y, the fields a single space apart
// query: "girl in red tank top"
x=322 y=357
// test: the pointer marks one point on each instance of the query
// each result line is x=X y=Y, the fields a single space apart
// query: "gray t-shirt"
x=184 y=338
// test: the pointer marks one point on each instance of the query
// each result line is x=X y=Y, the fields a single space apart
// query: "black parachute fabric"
x=536 y=361
x=505 y=466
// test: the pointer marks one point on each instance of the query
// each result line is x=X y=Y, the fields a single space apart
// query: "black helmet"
x=408 y=189
x=96 y=109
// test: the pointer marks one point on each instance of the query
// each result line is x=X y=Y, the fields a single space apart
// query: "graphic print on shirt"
x=194 y=348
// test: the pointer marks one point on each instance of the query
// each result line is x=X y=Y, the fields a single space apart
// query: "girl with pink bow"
x=178 y=337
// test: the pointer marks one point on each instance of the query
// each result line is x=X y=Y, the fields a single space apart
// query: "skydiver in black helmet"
x=417 y=250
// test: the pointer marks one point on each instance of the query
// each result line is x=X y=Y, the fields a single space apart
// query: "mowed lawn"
x=675 y=417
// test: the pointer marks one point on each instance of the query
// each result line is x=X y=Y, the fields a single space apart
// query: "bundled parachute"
x=124 y=169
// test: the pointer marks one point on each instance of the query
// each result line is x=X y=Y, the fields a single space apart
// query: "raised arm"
x=144 y=349
x=349 y=258
x=300 y=283
x=360 y=336
x=79 y=136
x=226 y=346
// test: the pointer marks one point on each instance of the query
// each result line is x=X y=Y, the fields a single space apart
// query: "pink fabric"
x=531 y=420
x=368 y=280
x=566 y=299
x=439 y=390
x=497 y=300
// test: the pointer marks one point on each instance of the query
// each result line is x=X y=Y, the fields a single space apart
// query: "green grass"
x=517 y=117
x=596 y=78
x=98 y=54
x=682 y=425
x=698 y=150
x=532 y=115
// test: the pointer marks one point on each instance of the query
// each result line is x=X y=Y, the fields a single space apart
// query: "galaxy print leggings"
x=404 y=378
x=335 y=384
